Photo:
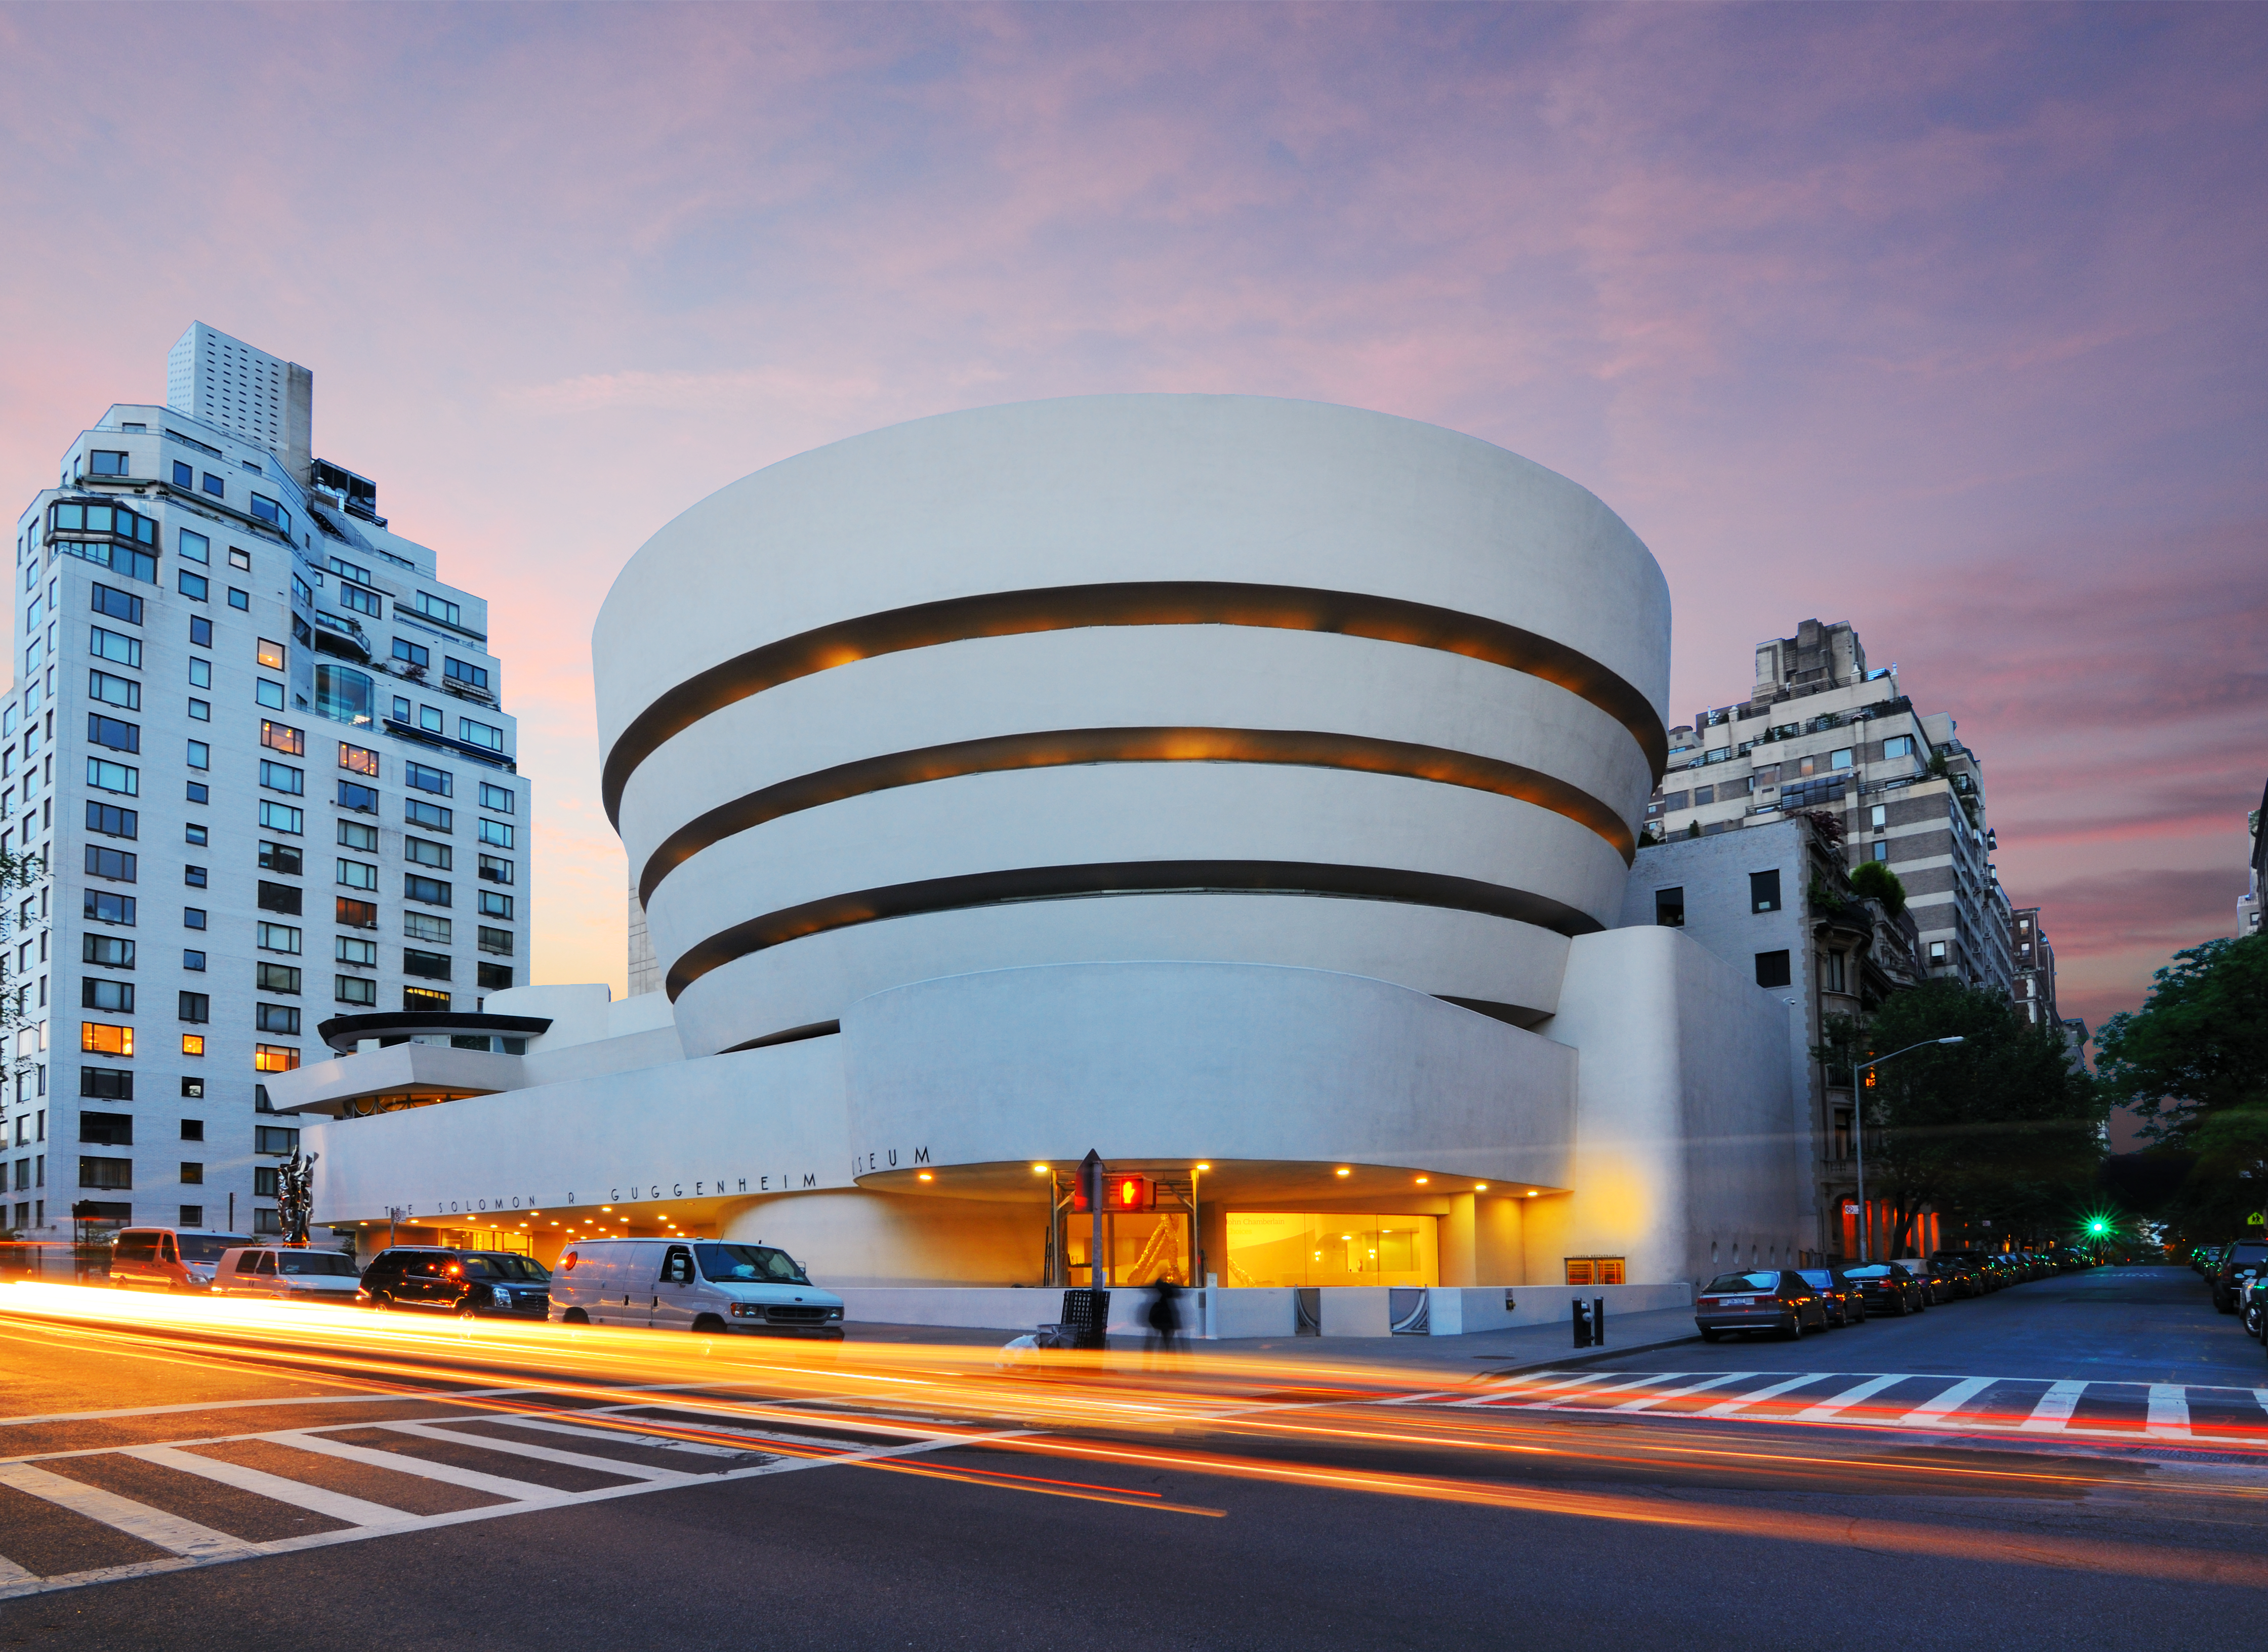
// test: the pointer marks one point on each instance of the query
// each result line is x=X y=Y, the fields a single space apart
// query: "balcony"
x=337 y=635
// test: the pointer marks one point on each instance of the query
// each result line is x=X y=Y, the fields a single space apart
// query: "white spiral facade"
x=1129 y=678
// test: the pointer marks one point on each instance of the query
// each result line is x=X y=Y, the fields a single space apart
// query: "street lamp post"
x=1858 y=1127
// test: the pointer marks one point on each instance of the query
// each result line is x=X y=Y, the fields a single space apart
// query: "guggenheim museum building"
x=1243 y=790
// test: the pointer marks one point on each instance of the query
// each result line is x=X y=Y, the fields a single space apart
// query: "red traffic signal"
x=1120 y=1192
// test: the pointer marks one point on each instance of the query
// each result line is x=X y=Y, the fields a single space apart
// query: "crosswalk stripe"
x=402 y=1462
x=1604 y=1388
x=169 y=1532
x=1725 y=1408
x=315 y=1499
x=537 y=1453
x=1718 y=1381
x=1848 y=1397
x=2169 y=1410
x=1950 y=1401
x=694 y=1447
x=2052 y=1414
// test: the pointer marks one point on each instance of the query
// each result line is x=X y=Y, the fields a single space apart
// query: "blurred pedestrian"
x=1165 y=1314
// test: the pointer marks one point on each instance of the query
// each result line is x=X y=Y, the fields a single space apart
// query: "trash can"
x=1086 y=1316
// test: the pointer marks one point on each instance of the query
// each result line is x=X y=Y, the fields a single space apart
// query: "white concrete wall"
x=1182 y=1062
x=1684 y=1108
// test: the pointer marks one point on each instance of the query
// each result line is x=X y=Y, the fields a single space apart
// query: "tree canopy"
x=2002 y=1127
x=2192 y=1062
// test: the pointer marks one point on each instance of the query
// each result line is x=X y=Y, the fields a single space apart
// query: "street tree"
x=2192 y=1062
x=2002 y=1127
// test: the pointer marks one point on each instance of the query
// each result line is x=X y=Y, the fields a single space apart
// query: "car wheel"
x=708 y=1326
x=1904 y=1307
x=1793 y=1332
x=574 y=1316
x=380 y=1302
x=464 y=1309
x=1711 y=1336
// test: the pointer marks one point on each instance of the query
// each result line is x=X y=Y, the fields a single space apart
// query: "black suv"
x=466 y=1282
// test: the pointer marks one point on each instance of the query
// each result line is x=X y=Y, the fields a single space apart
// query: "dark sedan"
x=1764 y=1299
x=1889 y=1288
x=468 y=1283
x=2239 y=1256
x=1845 y=1302
x=1949 y=1279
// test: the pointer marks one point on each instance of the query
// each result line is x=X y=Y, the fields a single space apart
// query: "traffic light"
x=1870 y=1078
x=2098 y=1227
x=1120 y=1192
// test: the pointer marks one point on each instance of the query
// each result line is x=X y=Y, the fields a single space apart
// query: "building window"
x=282 y=817
x=1595 y=1270
x=430 y=966
x=279 y=897
x=109 y=731
x=355 y=835
x=432 y=816
x=1763 y=891
x=120 y=605
x=284 y=738
x=356 y=874
x=200 y=632
x=193 y=1043
x=114 y=864
x=268 y=694
x=281 y=777
x=239 y=599
x=475 y=734
x=1830 y=972
x=193 y=917
x=278 y=937
x=495 y=903
x=361 y=601
x=1668 y=907
x=105 y=1173
x=274 y=1059
x=471 y=677
x=415 y=655
x=420 y=997
x=1898 y=745
x=434 y=608
x=495 y=831
x=1704 y=794
x=1878 y=817
x=430 y=718
x=278 y=1018
x=358 y=759
x=494 y=977
x=362 y=799
x=109 y=1084
x=280 y=858
x=355 y=989
x=345 y=697
x=112 y=951
x=115 y=647
x=112 y=998
x=270 y=1139
x=1839 y=759
x=195 y=586
x=201 y=754
x=1937 y=952
x=120 y=777
x=426 y=926
x=99 y=1038
x=192 y=959
x=420 y=852
x=432 y=891
x=500 y=798
x=106 y=907
x=123 y=692
x=357 y=914
x=438 y=781
x=112 y=821
x=494 y=869
x=276 y=977
x=1877 y=851
x=215 y=486
x=1772 y=969
x=362 y=954
x=194 y=877
x=184 y=476
x=495 y=941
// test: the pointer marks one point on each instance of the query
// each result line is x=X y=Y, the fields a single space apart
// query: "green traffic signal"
x=2098 y=1225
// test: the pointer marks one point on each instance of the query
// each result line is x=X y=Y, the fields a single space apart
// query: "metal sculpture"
x=295 y=1195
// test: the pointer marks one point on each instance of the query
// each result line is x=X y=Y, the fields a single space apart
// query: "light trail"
x=1114 y=1410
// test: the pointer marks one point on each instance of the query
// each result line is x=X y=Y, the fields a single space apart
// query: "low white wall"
x=1451 y=1311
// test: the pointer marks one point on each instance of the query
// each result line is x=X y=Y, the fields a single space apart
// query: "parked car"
x=286 y=1273
x=1844 y=1303
x=1950 y=1279
x=691 y=1285
x=1988 y=1276
x=468 y=1283
x=1919 y=1269
x=1889 y=1288
x=168 y=1259
x=2239 y=1255
x=2252 y=1303
x=1779 y=1301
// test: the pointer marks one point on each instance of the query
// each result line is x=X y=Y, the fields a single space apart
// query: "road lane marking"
x=2170 y=1412
x=170 y=1532
x=1772 y=1390
x=402 y=1462
x=542 y=1454
x=655 y=1442
x=1950 y=1401
x=1607 y=1388
x=315 y=1499
x=1718 y=1380
x=2053 y=1413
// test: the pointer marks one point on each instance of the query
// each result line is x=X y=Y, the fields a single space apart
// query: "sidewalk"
x=1454 y=1359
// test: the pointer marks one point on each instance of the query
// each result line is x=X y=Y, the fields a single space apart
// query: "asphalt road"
x=1536 y=1512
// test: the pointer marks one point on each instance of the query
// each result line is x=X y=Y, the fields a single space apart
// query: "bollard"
x=1582 y=1318
x=1599 y=1321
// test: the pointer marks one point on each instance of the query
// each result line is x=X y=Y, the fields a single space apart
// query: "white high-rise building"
x=256 y=773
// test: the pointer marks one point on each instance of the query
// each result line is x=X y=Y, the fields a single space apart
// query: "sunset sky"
x=1946 y=321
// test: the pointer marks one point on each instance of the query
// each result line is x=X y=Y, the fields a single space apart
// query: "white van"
x=690 y=1285
x=168 y=1259
x=287 y=1273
